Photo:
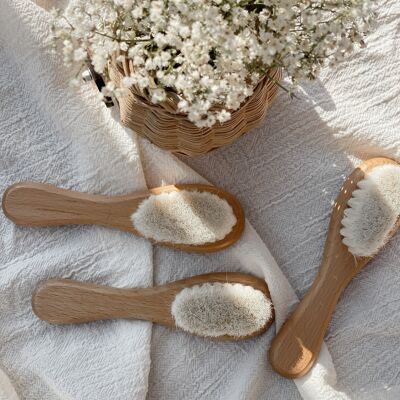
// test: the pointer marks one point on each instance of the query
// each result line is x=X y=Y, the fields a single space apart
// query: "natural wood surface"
x=39 y=204
x=296 y=347
x=67 y=301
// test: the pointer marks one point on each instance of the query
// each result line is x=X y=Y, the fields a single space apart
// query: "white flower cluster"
x=211 y=53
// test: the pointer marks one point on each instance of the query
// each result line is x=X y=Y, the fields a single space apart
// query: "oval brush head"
x=219 y=309
x=373 y=211
x=187 y=217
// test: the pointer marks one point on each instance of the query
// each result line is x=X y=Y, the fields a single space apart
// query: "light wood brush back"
x=66 y=301
x=297 y=345
x=39 y=204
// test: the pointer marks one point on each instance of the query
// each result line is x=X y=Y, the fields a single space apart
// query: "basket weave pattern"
x=170 y=129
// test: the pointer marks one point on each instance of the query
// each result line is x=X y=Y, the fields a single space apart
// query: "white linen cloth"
x=51 y=134
x=48 y=133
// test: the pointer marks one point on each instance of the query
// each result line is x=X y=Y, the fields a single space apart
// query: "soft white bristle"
x=184 y=217
x=219 y=309
x=373 y=211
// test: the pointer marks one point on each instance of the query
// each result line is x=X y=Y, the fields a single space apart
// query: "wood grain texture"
x=67 y=301
x=39 y=204
x=296 y=347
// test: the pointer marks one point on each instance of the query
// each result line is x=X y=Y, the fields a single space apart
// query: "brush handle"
x=295 y=348
x=67 y=301
x=38 y=204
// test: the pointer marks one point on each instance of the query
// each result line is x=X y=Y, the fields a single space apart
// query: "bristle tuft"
x=219 y=309
x=184 y=217
x=373 y=212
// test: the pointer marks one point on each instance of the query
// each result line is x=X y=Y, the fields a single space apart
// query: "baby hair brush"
x=223 y=305
x=365 y=216
x=188 y=217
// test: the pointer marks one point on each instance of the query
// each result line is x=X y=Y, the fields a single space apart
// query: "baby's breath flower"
x=158 y=95
x=223 y=116
x=109 y=89
x=210 y=52
x=128 y=81
x=80 y=54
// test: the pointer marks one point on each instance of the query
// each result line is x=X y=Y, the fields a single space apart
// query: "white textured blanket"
x=49 y=133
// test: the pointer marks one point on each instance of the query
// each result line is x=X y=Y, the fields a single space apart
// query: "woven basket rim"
x=162 y=106
x=173 y=131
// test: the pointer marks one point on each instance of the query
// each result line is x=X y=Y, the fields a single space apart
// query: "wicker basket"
x=170 y=129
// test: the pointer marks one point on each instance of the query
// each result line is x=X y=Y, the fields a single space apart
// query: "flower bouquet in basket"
x=194 y=75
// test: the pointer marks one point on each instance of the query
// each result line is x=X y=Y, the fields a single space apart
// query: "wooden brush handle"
x=295 y=348
x=38 y=204
x=66 y=301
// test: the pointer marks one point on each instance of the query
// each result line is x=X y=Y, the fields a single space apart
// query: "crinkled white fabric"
x=285 y=175
x=50 y=134
x=7 y=391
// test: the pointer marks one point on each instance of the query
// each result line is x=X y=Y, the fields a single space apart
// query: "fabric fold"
x=50 y=133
